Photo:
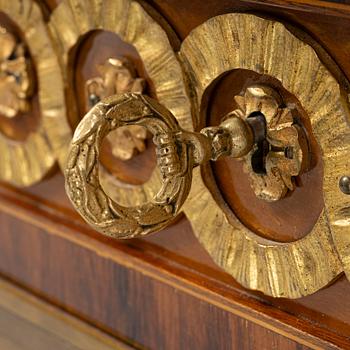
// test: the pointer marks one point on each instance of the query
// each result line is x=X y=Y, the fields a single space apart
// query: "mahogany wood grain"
x=147 y=296
x=145 y=289
x=338 y=8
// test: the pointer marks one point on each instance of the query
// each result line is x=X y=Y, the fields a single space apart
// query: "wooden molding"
x=330 y=8
x=105 y=281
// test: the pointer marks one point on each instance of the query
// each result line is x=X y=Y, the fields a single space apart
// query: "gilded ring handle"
x=178 y=152
x=82 y=171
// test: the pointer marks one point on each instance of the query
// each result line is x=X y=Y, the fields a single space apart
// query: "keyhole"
x=257 y=121
x=258 y=159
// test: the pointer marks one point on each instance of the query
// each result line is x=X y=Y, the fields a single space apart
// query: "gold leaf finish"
x=24 y=163
x=82 y=171
x=118 y=76
x=222 y=44
x=128 y=141
x=72 y=20
x=16 y=76
x=293 y=269
x=284 y=155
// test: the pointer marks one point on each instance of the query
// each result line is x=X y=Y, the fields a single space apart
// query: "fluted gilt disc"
x=72 y=20
x=24 y=163
x=293 y=269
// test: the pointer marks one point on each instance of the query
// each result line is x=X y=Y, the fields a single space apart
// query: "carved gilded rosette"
x=118 y=76
x=70 y=23
x=16 y=76
x=281 y=269
x=31 y=92
x=272 y=163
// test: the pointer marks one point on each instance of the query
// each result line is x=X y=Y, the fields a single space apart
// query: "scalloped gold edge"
x=71 y=20
x=295 y=269
x=24 y=163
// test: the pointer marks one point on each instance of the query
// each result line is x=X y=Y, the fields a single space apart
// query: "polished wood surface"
x=28 y=323
x=153 y=291
x=165 y=292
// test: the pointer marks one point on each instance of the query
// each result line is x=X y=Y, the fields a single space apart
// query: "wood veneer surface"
x=132 y=288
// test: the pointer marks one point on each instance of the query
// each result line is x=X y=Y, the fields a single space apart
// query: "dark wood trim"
x=38 y=223
x=314 y=6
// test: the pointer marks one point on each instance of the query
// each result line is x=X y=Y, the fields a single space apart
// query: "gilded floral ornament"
x=272 y=163
x=25 y=162
x=118 y=76
x=220 y=45
x=16 y=76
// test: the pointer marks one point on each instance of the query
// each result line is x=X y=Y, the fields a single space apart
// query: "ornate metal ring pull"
x=178 y=152
x=82 y=182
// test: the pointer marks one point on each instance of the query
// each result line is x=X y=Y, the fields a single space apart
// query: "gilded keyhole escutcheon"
x=290 y=269
x=278 y=157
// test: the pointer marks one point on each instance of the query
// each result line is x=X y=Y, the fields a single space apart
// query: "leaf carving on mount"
x=280 y=156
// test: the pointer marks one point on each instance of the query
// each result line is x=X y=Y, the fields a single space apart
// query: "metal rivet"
x=344 y=184
x=93 y=100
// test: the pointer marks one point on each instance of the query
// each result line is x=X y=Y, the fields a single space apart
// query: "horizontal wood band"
x=132 y=292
